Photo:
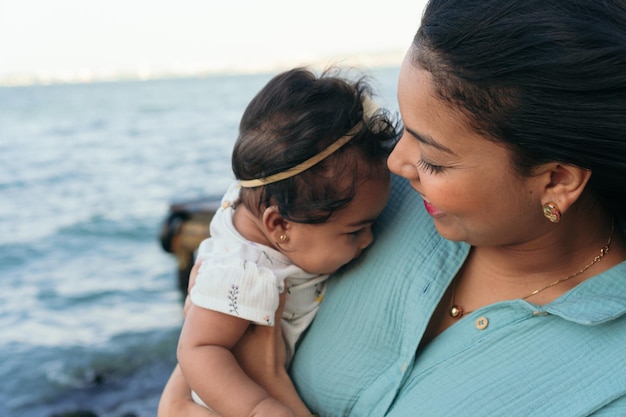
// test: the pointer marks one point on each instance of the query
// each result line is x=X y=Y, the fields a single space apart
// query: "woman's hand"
x=261 y=351
x=176 y=399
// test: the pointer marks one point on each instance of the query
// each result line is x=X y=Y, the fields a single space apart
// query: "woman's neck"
x=565 y=253
x=494 y=274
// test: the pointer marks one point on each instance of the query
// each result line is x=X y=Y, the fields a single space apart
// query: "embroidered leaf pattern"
x=233 y=293
x=267 y=257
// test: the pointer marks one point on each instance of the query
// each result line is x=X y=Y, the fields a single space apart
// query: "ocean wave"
x=72 y=235
x=97 y=378
x=13 y=255
x=127 y=228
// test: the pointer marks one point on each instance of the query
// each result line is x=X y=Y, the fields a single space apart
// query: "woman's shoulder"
x=600 y=299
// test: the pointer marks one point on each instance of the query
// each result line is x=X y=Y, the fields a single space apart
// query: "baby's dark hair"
x=293 y=118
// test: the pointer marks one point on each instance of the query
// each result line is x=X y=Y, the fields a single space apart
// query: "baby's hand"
x=270 y=407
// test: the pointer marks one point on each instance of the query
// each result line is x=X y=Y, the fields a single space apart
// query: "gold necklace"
x=456 y=311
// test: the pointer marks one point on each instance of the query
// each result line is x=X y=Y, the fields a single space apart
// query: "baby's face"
x=324 y=248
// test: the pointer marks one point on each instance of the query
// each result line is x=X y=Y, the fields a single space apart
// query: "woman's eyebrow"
x=428 y=140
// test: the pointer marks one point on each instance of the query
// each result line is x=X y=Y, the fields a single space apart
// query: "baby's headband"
x=369 y=108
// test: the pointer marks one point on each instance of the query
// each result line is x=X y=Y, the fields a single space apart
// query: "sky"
x=83 y=39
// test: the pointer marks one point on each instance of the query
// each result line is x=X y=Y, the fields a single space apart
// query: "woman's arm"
x=176 y=399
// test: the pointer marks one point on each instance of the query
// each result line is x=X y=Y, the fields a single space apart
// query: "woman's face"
x=468 y=183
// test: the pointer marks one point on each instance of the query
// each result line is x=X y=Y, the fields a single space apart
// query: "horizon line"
x=87 y=76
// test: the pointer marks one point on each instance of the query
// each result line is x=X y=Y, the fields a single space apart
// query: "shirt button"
x=481 y=323
x=225 y=204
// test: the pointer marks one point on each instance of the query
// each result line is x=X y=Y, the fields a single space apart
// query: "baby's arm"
x=211 y=370
x=261 y=353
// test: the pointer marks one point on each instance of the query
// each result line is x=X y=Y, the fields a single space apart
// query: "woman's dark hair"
x=294 y=117
x=546 y=77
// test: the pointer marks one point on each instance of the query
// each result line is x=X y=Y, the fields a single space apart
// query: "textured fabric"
x=360 y=357
x=244 y=279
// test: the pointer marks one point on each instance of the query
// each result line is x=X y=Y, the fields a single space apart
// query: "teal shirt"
x=360 y=358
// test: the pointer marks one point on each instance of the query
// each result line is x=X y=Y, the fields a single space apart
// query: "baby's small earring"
x=552 y=212
x=282 y=238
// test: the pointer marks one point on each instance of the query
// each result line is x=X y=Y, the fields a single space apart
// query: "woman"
x=506 y=293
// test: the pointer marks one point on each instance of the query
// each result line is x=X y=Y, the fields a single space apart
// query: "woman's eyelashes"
x=429 y=168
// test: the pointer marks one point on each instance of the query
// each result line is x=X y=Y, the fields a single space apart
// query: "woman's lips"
x=432 y=210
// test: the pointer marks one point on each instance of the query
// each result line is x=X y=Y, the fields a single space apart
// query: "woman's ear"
x=275 y=225
x=563 y=184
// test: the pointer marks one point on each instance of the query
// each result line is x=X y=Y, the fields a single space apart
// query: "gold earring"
x=551 y=212
x=282 y=238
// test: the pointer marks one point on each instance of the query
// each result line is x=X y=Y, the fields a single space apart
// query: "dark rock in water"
x=86 y=413
x=186 y=225
x=79 y=413
x=98 y=379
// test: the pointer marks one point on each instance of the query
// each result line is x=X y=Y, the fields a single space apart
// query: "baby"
x=310 y=163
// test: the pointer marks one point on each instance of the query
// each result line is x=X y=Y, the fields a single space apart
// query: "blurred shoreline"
x=86 y=75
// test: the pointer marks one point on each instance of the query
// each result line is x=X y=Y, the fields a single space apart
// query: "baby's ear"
x=275 y=225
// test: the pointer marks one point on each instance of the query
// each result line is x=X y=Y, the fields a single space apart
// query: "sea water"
x=89 y=306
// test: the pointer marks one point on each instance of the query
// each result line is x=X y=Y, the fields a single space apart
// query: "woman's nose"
x=400 y=159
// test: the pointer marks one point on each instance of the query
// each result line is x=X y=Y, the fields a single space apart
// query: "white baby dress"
x=244 y=279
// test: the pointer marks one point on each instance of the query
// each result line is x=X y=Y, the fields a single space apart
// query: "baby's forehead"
x=369 y=200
